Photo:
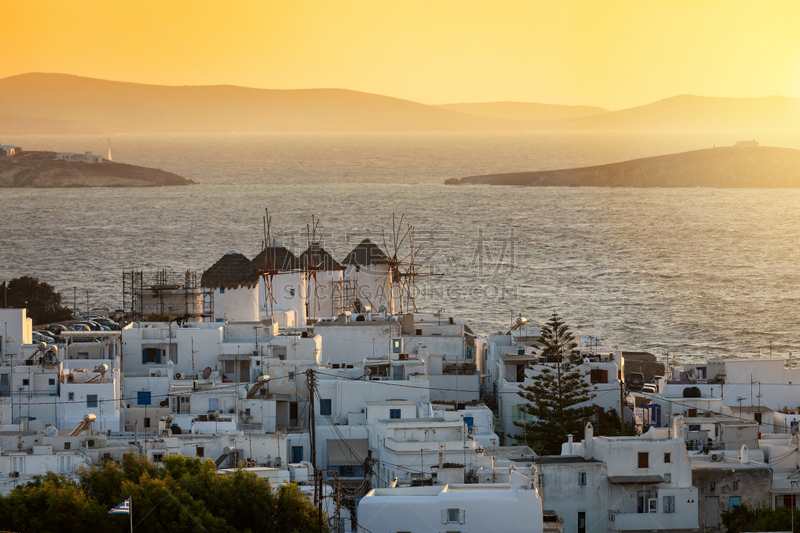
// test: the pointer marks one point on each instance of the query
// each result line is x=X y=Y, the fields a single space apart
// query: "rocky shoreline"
x=44 y=170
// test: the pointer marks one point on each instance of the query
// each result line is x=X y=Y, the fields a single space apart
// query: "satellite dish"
x=207 y=372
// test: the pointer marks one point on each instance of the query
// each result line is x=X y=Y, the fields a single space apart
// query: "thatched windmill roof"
x=233 y=270
x=317 y=258
x=276 y=257
x=366 y=253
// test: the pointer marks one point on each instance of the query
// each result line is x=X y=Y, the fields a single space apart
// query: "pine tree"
x=556 y=394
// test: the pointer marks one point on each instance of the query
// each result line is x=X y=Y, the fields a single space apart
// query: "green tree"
x=554 y=398
x=51 y=503
x=41 y=300
x=744 y=518
x=608 y=425
x=156 y=317
x=179 y=495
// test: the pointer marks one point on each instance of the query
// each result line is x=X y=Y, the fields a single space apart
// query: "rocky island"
x=50 y=170
x=745 y=165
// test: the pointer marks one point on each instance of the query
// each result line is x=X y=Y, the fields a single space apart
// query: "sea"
x=706 y=272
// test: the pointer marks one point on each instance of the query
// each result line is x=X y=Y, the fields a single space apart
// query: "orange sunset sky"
x=612 y=54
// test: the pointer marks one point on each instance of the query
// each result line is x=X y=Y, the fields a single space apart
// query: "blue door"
x=297 y=454
x=470 y=422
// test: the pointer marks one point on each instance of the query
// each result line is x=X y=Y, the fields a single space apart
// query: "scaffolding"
x=344 y=295
x=176 y=294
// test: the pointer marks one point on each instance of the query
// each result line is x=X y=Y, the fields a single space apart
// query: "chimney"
x=571 y=449
x=589 y=438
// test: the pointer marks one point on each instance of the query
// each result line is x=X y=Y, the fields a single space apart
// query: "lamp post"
x=74 y=298
x=87 y=304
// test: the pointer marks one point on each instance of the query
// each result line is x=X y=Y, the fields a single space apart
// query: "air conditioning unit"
x=91 y=443
x=180 y=375
x=716 y=457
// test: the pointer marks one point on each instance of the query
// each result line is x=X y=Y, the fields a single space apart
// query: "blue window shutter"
x=325 y=407
x=158 y=356
x=143 y=398
x=144 y=356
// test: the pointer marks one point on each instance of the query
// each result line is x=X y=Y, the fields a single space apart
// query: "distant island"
x=19 y=168
x=745 y=165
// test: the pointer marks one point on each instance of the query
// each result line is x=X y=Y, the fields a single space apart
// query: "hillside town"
x=310 y=370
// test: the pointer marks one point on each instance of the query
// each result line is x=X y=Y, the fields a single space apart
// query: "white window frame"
x=450 y=519
x=582 y=478
x=65 y=463
x=181 y=405
x=668 y=504
x=18 y=463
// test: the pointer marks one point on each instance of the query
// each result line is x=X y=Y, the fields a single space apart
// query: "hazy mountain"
x=525 y=110
x=689 y=112
x=60 y=104
x=756 y=166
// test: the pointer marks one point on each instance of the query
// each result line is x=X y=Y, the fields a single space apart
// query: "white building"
x=369 y=267
x=9 y=150
x=283 y=278
x=641 y=483
x=508 y=507
x=324 y=278
x=763 y=389
x=86 y=157
x=235 y=282
x=17 y=330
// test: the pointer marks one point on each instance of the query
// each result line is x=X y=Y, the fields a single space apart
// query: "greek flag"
x=123 y=508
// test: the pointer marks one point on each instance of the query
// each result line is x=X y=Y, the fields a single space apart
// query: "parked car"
x=56 y=329
x=649 y=388
x=92 y=325
x=113 y=326
x=79 y=326
x=39 y=337
x=635 y=381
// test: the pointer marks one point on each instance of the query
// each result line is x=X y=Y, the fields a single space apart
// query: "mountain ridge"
x=47 y=103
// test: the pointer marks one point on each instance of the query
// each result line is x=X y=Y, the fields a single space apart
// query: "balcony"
x=651 y=521
x=346 y=471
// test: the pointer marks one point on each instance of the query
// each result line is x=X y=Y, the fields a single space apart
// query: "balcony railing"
x=346 y=470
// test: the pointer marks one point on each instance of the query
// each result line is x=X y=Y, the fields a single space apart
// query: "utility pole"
x=311 y=380
x=74 y=300
x=87 y=304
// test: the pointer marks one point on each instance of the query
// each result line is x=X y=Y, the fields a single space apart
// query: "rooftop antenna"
x=194 y=375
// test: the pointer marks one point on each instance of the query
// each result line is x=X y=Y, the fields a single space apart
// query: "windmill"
x=274 y=260
x=403 y=269
x=312 y=264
